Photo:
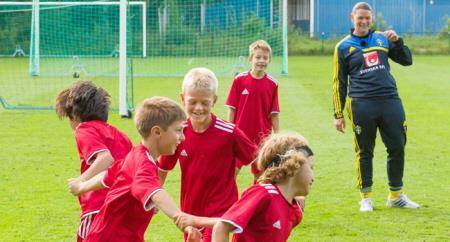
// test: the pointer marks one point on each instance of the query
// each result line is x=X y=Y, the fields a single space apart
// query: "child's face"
x=305 y=177
x=170 y=138
x=260 y=60
x=198 y=103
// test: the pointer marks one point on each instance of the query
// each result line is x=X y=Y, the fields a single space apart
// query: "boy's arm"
x=231 y=114
x=275 y=120
x=221 y=231
x=164 y=202
x=184 y=219
x=102 y=161
x=77 y=187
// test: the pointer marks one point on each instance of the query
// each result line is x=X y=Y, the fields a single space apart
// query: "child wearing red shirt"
x=99 y=144
x=207 y=156
x=269 y=210
x=253 y=97
x=136 y=190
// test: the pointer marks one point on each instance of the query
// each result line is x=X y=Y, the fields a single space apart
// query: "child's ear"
x=215 y=99
x=155 y=130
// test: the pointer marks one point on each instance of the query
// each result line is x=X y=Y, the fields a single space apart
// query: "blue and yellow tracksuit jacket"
x=361 y=68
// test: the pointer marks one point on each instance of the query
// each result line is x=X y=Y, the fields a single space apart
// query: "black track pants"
x=387 y=115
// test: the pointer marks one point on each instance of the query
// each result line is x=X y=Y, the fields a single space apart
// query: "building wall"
x=405 y=16
x=299 y=14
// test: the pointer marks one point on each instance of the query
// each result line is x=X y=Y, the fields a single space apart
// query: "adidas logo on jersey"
x=245 y=92
x=183 y=153
x=277 y=224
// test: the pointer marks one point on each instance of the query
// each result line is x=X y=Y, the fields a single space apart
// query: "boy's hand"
x=193 y=235
x=183 y=220
x=75 y=186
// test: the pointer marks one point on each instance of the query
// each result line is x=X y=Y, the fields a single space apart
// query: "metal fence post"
x=322 y=37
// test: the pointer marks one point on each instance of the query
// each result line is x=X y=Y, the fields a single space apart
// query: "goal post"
x=35 y=25
x=72 y=40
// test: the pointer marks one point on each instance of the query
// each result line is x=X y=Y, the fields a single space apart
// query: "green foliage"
x=380 y=23
x=14 y=30
x=445 y=31
x=427 y=45
x=186 y=39
x=302 y=44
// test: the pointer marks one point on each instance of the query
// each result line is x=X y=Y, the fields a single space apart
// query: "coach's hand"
x=339 y=123
x=391 y=35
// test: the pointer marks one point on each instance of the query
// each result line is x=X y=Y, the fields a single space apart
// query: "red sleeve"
x=233 y=95
x=253 y=201
x=168 y=162
x=89 y=142
x=111 y=173
x=244 y=149
x=146 y=184
x=275 y=106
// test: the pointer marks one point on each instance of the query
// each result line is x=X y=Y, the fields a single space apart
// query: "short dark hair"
x=83 y=101
x=157 y=111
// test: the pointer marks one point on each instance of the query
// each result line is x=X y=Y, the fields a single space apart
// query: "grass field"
x=38 y=155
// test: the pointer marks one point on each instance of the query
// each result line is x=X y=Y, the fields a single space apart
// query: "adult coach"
x=361 y=71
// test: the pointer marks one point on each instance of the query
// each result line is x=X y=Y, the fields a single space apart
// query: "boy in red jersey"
x=99 y=144
x=207 y=156
x=268 y=211
x=136 y=191
x=253 y=97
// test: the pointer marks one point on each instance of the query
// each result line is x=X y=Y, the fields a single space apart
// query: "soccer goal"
x=67 y=41
x=48 y=45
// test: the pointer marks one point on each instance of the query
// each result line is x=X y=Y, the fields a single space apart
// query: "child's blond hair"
x=259 y=45
x=157 y=111
x=202 y=78
x=281 y=155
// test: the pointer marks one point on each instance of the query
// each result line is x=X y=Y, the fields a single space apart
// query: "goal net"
x=48 y=45
x=56 y=43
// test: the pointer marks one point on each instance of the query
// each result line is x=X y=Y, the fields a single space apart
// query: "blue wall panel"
x=405 y=16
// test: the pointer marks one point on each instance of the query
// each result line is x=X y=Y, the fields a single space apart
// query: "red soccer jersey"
x=128 y=207
x=93 y=137
x=254 y=100
x=111 y=174
x=207 y=161
x=263 y=214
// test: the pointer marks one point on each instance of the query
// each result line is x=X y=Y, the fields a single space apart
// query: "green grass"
x=19 y=89
x=38 y=155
